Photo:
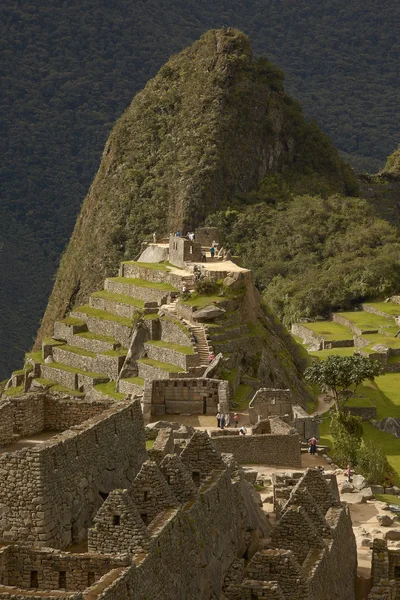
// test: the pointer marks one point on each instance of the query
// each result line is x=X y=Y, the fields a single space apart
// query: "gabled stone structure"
x=118 y=527
x=200 y=457
x=301 y=497
x=178 y=478
x=151 y=493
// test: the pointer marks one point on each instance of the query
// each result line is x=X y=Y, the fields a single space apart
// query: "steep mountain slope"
x=68 y=70
x=211 y=125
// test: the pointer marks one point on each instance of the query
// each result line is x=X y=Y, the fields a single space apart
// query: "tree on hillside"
x=341 y=375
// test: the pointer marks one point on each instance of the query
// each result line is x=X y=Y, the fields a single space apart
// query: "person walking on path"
x=243 y=430
x=348 y=473
x=222 y=421
x=218 y=419
x=235 y=420
x=212 y=251
x=313 y=445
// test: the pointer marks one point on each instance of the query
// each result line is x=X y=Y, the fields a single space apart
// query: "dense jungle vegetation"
x=69 y=69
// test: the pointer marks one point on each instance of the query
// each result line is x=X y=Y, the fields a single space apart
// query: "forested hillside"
x=70 y=69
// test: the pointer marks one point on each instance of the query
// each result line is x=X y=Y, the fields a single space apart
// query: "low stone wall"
x=53 y=570
x=128 y=269
x=167 y=355
x=62 y=413
x=365 y=412
x=6 y=422
x=307 y=335
x=274 y=450
x=174 y=332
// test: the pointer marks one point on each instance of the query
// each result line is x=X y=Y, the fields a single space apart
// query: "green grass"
x=366 y=321
x=70 y=321
x=135 y=380
x=241 y=395
x=115 y=353
x=45 y=382
x=79 y=351
x=14 y=391
x=151 y=316
x=323 y=354
x=89 y=335
x=102 y=314
x=108 y=389
x=119 y=298
x=144 y=284
x=19 y=372
x=202 y=301
x=171 y=346
x=170 y=368
x=144 y=265
x=329 y=330
x=66 y=390
x=36 y=356
x=380 y=338
x=52 y=342
x=63 y=367
x=390 y=308
x=389 y=498
x=149 y=444
x=229 y=375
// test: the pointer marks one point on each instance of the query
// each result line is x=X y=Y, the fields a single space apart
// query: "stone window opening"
x=116 y=520
x=34 y=579
x=397 y=572
x=145 y=518
x=104 y=495
x=90 y=578
x=191 y=250
x=62 y=580
x=145 y=496
x=96 y=438
x=169 y=479
x=196 y=478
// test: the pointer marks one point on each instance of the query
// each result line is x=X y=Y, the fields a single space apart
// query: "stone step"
x=131 y=385
x=152 y=369
x=109 y=363
x=105 y=323
x=141 y=289
x=182 y=356
x=70 y=377
x=118 y=304
x=94 y=342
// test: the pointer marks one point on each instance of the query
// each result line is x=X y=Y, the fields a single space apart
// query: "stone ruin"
x=385 y=572
x=180 y=523
x=268 y=402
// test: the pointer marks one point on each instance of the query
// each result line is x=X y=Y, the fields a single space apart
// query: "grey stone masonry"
x=301 y=497
x=164 y=444
x=118 y=527
x=151 y=493
x=277 y=450
x=130 y=287
x=182 y=251
x=104 y=326
x=178 y=478
x=296 y=532
x=171 y=355
x=201 y=457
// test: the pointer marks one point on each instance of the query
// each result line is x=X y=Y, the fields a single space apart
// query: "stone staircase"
x=202 y=346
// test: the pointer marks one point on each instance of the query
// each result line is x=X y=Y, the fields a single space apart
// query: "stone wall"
x=62 y=413
x=186 y=396
x=365 y=412
x=51 y=492
x=270 y=402
x=307 y=335
x=134 y=270
x=276 y=450
x=167 y=355
x=54 y=570
x=174 y=331
x=6 y=422
x=207 y=235
x=182 y=251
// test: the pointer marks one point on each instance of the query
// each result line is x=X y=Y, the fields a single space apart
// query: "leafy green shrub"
x=373 y=464
x=206 y=287
x=346 y=432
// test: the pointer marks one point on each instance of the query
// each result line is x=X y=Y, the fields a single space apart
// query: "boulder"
x=365 y=542
x=377 y=489
x=235 y=280
x=346 y=487
x=359 y=482
x=385 y=520
x=392 y=534
x=209 y=313
x=367 y=493
x=49 y=359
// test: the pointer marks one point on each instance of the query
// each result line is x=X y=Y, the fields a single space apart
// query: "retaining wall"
x=274 y=450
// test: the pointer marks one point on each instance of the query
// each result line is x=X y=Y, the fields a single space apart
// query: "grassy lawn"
x=202 y=301
x=240 y=397
x=144 y=284
x=145 y=265
x=70 y=321
x=135 y=380
x=14 y=391
x=89 y=335
x=330 y=331
x=119 y=298
x=171 y=346
x=390 y=308
x=102 y=314
x=169 y=367
x=389 y=498
x=80 y=351
x=380 y=338
x=366 y=321
x=108 y=389
x=339 y=351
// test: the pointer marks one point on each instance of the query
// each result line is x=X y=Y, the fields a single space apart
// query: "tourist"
x=222 y=421
x=214 y=244
x=193 y=338
x=211 y=357
x=178 y=234
x=218 y=419
x=203 y=257
x=235 y=420
x=212 y=251
x=313 y=445
x=348 y=473
x=191 y=236
x=154 y=237
x=184 y=288
x=243 y=430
